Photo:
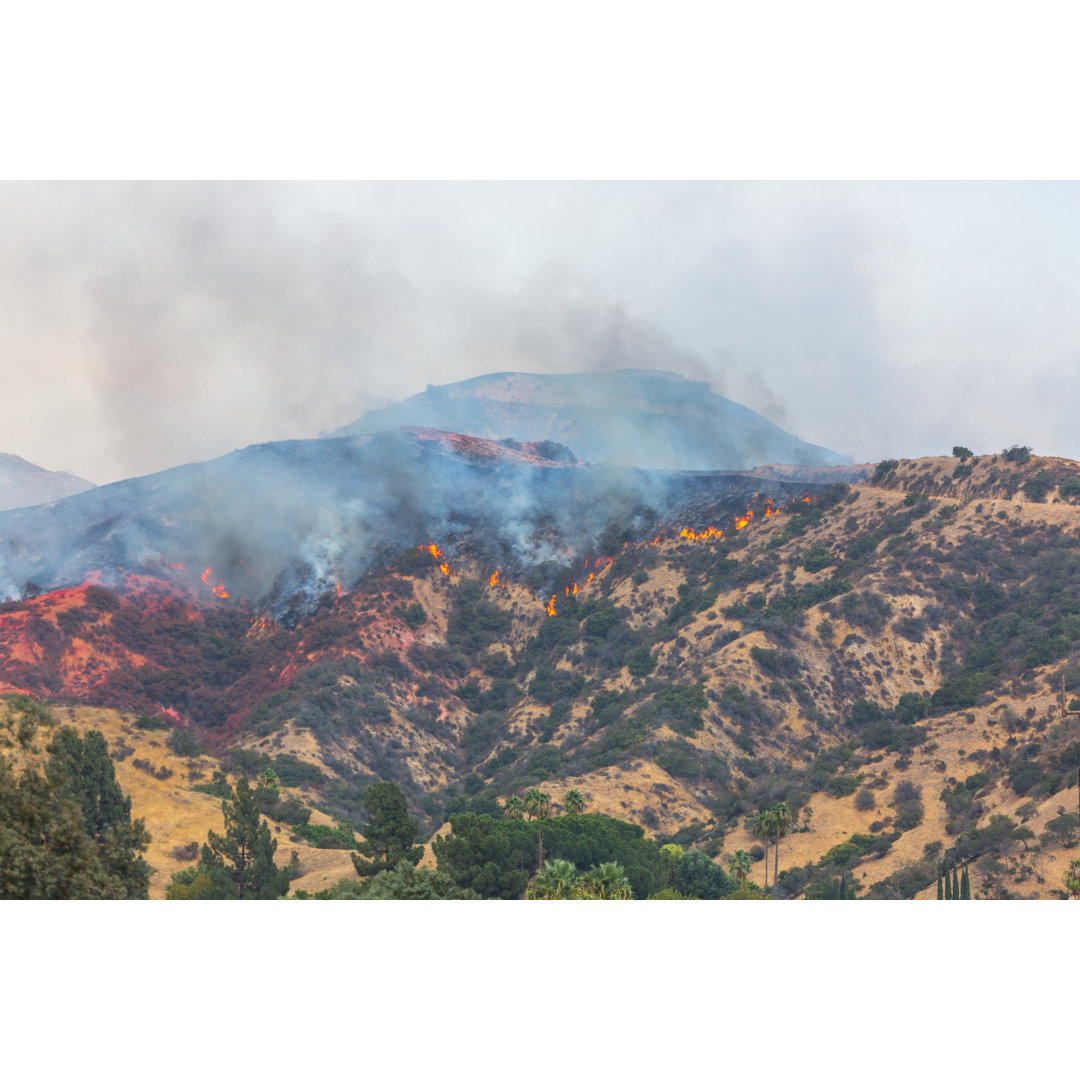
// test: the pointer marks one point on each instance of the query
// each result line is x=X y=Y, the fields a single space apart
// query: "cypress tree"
x=948 y=886
x=955 y=884
x=940 y=892
x=965 y=885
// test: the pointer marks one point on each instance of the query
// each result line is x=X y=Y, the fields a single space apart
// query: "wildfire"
x=551 y=604
x=494 y=580
x=709 y=534
x=438 y=556
x=218 y=589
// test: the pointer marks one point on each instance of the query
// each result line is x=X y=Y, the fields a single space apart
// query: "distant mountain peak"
x=24 y=484
x=627 y=417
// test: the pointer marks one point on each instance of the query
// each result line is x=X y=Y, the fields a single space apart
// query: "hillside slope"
x=886 y=655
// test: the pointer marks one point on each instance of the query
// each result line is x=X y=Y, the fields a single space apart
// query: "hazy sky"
x=144 y=325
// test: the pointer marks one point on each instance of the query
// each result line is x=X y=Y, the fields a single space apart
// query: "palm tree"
x=607 y=881
x=574 y=802
x=761 y=826
x=555 y=882
x=781 y=825
x=514 y=807
x=739 y=863
x=537 y=803
x=1072 y=879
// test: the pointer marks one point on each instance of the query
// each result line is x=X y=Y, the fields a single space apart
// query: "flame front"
x=551 y=604
x=218 y=589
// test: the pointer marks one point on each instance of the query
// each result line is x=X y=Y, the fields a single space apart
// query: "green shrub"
x=327 y=836
x=184 y=743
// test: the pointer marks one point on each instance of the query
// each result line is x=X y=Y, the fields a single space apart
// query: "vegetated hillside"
x=25 y=484
x=886 y=656
x=649 y=419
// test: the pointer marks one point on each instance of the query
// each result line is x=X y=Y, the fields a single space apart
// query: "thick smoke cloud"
x=147 y=325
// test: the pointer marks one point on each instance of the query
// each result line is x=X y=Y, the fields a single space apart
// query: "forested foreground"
x=66 y=832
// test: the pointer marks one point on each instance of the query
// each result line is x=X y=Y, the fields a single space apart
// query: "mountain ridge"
x=628 y=417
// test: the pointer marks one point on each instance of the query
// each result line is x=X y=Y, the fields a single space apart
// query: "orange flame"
x=709 y=534
x=494 y=580
x=551 y=605
x=218 y=589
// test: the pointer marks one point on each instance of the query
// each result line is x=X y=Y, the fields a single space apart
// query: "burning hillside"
x=282 y=525
x=680 y=669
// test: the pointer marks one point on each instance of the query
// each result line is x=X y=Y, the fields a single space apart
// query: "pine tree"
x=955 y=884
x=948 y=886
x=64 y=834
x=80 y=769
x=240 y=864
x=965 y=885
x=389 y=834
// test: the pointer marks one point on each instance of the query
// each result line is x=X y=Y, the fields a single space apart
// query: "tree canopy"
x=65 y=832
x=390 y=834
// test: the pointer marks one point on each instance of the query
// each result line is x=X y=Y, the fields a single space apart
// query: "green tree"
x=514 y=807
x=50 y=850
x=948 y=886
x=940 y=887
x=700 y=877
x=739 y=864
x=608 y=881
x=537 y=803
x=267 y=791
x=1062 y=830
x=80 y=768
x=574 y=802
x=408 y=882
x=390 y=834
x=965 y=885
x=670 y=854
x=240 y=863
x=761 y=827
x=1072 y=879
x=555 y=882
x=780 y=826
x=962 y=452
x=955 y=884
